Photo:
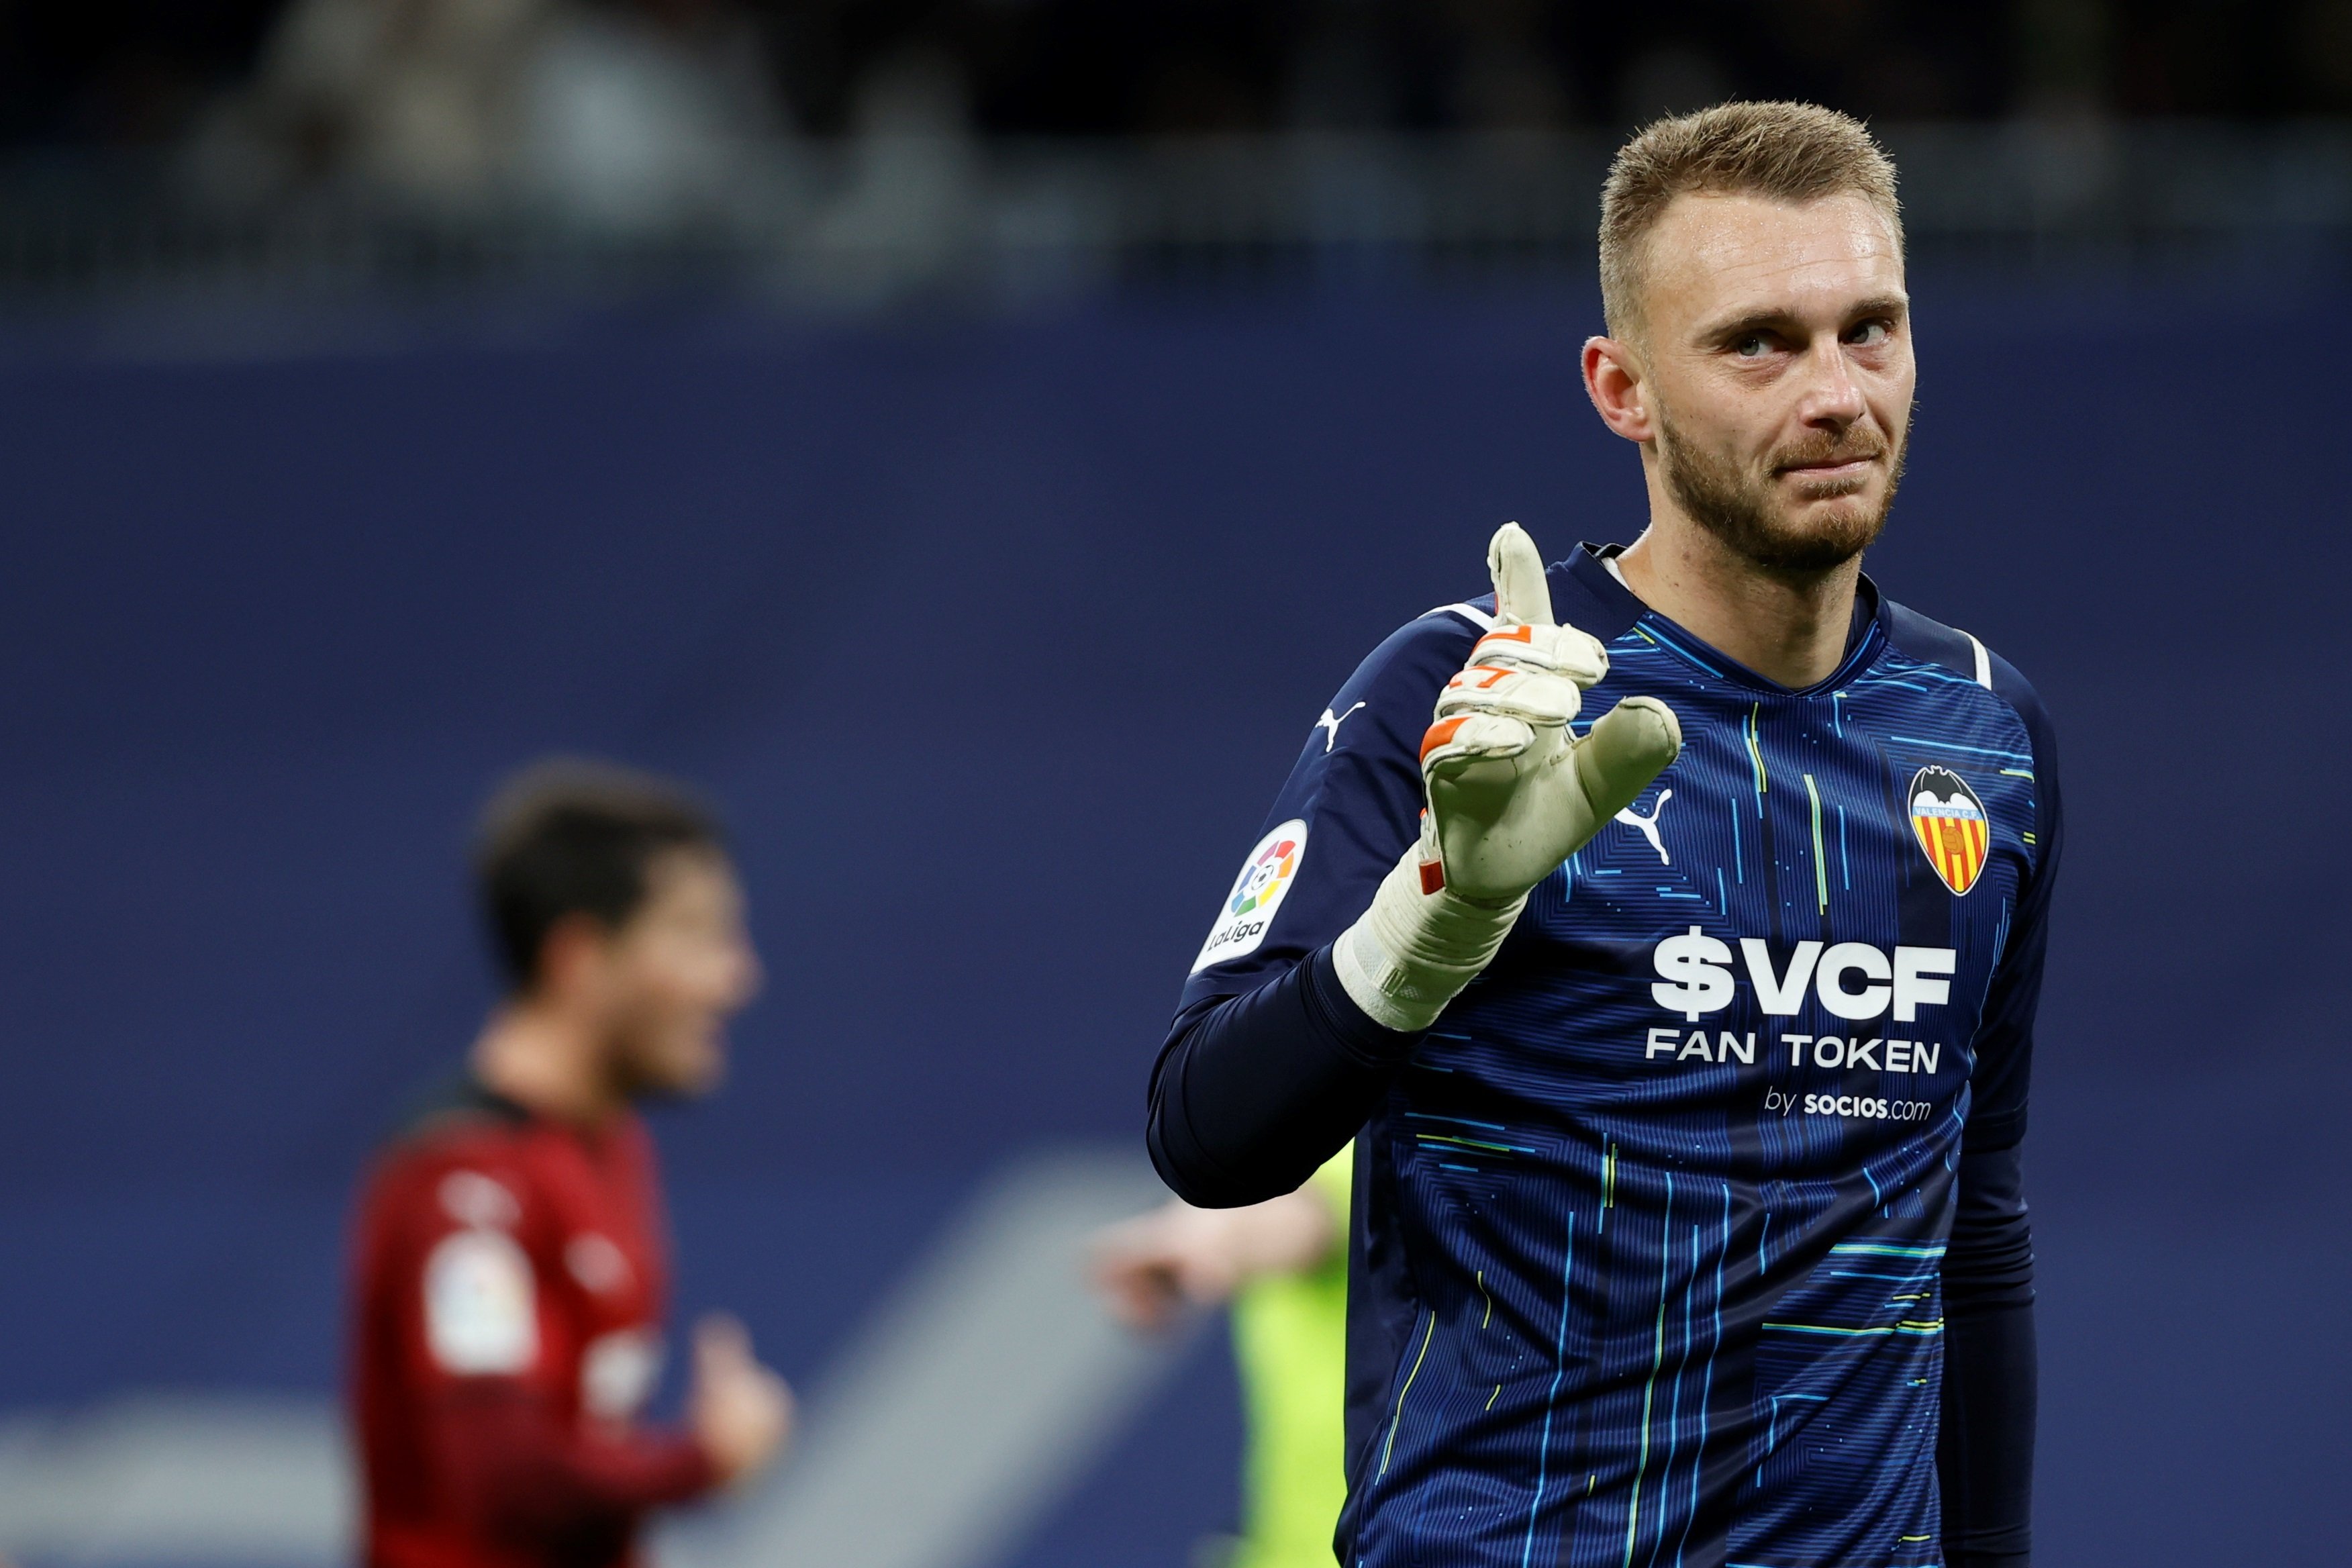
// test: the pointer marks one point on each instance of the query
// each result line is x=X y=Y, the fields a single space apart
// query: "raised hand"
x=1512 y=792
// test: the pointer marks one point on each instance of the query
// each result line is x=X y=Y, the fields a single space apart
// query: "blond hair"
x=1791 y=153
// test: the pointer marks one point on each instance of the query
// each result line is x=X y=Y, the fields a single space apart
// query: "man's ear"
x=1615 y=381
x=569 y=953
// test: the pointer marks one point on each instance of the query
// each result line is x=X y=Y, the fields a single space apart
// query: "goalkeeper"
x=1685 y=1047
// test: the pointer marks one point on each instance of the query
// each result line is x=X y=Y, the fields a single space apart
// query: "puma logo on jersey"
x=1331 y=723
x=1648 y=826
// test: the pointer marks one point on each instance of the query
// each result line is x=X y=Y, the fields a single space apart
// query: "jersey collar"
x=1621 y=610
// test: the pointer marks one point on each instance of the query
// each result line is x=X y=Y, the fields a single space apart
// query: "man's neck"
x=547 y=1063
x=1791 y=630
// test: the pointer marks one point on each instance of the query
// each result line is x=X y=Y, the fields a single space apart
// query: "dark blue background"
x=994 y=639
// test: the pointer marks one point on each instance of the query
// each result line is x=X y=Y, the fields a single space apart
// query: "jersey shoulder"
x=1419 y=657
x=460 y=1155
x=460 y=1106
x=1930 y=641
x=459 y=1121
x=1377 y=718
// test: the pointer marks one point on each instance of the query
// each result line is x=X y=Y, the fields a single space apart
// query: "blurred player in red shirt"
x=510 y=1271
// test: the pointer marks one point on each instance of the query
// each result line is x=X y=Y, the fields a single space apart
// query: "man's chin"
x=1780 y=521
x=1818 y=537
x=686 y=1075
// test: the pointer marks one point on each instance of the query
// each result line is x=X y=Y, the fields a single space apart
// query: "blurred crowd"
x=638 y=106
x=140 y=70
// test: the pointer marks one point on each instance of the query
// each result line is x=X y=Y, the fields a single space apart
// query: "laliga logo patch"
x=1951 y=825
x=1267 y=876
x=1267 y=873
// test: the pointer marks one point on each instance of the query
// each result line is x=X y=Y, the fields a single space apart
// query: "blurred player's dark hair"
x=568 y=837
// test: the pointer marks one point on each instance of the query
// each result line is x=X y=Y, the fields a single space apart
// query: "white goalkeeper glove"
x=1512 y=792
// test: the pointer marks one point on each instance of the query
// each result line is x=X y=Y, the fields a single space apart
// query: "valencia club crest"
x=1950 y=822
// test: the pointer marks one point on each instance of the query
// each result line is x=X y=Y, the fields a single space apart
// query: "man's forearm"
x=1985 y=1458
x=1256 y=1092
x=528 y=1478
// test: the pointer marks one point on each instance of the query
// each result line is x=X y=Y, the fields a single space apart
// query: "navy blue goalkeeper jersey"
x=1649 y=1227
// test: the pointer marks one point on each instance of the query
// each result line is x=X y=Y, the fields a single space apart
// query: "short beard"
x=1742 y=511
x=635 y=1072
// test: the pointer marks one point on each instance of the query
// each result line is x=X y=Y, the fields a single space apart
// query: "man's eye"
x=1752 y=346
x=1869 y=335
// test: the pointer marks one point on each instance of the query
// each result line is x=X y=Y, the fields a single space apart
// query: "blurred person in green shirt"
x=1283 y=1264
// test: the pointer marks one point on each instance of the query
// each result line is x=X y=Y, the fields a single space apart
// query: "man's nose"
x=1832 y=395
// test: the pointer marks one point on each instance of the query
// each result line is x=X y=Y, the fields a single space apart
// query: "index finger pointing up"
x=1521 y=595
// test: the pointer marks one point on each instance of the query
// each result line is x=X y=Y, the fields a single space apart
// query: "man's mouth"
x=1832 y=468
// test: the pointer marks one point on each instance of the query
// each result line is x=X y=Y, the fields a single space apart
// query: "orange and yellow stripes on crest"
x=1954 y=845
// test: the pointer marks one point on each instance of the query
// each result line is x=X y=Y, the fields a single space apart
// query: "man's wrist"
x=1417 y=946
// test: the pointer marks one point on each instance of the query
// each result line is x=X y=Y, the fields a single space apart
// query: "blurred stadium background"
x=394 y=390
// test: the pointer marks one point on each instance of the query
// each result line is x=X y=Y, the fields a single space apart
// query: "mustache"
x=1856 y=446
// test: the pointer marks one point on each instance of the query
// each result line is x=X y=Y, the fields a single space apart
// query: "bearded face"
x=1769 y=512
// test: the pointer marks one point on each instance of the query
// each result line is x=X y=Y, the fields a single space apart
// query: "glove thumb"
x=1627 y=747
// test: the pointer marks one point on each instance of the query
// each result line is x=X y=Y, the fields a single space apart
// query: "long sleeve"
x=1985 y=1458
x=1985 y=1452
x=523 y=1475
x=1254 y=1093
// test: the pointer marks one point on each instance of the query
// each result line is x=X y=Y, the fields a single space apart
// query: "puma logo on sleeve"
x=1331 y=723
